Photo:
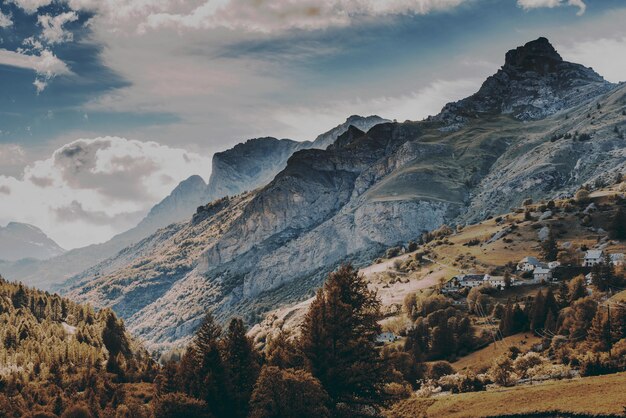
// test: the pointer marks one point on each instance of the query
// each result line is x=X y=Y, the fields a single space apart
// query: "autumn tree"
x=288 y=393
x=338 y=338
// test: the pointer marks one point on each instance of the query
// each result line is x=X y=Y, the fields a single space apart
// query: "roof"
x=541 y=270
x=617 y=256
x=593 y=254
x=530 y=260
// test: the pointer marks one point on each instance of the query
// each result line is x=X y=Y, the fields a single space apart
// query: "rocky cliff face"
x=539 y=127
x=19 y=241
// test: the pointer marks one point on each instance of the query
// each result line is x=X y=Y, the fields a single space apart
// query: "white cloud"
x=265 y=16
x=31 y=6
x=52 y=27
x=5 y=20
x=91 y=189
x=45 y=64
x=535 y=4
x=605 y=55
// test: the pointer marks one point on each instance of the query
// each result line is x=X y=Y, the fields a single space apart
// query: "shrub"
x=439 y=369
x=582 y=196
x=173 y=405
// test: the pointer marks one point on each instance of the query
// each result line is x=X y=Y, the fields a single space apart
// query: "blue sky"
x=192 y=78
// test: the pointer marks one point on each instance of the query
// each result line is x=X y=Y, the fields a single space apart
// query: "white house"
x=588 y=278
x=495 y=281
x=593 y=257
x=542 y=273
x=617 y=259
x=386 y=337
x=471 y=280
x=528 y=264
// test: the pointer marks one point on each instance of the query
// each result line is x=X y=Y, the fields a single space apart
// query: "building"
x=588 y=279
x=451 y=285
x=471 y=280
x=593 y=257
x=462 y=281
x=542 y=273
x=386 y=337
x=495 y=281
x=528 y=264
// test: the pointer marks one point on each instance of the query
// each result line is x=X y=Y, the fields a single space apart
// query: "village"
x=531 y=270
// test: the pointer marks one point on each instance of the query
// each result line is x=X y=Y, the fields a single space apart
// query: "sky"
x=106 y=105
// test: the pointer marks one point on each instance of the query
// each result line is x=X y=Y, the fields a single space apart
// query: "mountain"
x=19 y=240
x=254 y=163
x=246 y=166
x=552 y=127
x=45 y=274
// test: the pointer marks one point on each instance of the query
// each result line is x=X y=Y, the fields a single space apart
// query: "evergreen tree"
x=549 y=247
x=203 y=367
x=242 y=367
x=538 y=313
x=338 y=338
x=617 y=229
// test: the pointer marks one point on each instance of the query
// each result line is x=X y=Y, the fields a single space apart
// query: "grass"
x=619 y=297
x=599 y=395
x=480 y=360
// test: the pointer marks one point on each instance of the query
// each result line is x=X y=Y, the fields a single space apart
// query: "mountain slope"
x=19 y=241
x=371 y=190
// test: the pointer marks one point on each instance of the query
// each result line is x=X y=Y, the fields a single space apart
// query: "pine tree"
x=242 y=367
x=538 y=312
x=204 y=367
x=617 y=229
x=549 y=247
x=338 y=338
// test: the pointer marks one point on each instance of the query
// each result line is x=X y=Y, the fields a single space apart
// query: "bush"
x=174 y=405
x=439 y=369
x=582 y=196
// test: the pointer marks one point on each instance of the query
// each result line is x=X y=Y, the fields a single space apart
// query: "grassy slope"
x=591 y=395
x=481 y=360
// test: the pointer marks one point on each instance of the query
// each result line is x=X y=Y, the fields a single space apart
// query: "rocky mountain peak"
x=534 y=83
x=538 y=55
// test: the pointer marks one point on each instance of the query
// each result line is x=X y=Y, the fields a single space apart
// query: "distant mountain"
x=540 y=127
x=44 y=274
x=254 y=163
x=19 y=241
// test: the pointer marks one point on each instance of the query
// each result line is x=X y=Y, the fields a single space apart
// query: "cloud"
x=5 y=20
x=91 y=189
x=45 y=64
x=31 y=6
x=52 y=27
x=535 y=4
x=273 y=16
x=75 y=212
x=605 y=55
